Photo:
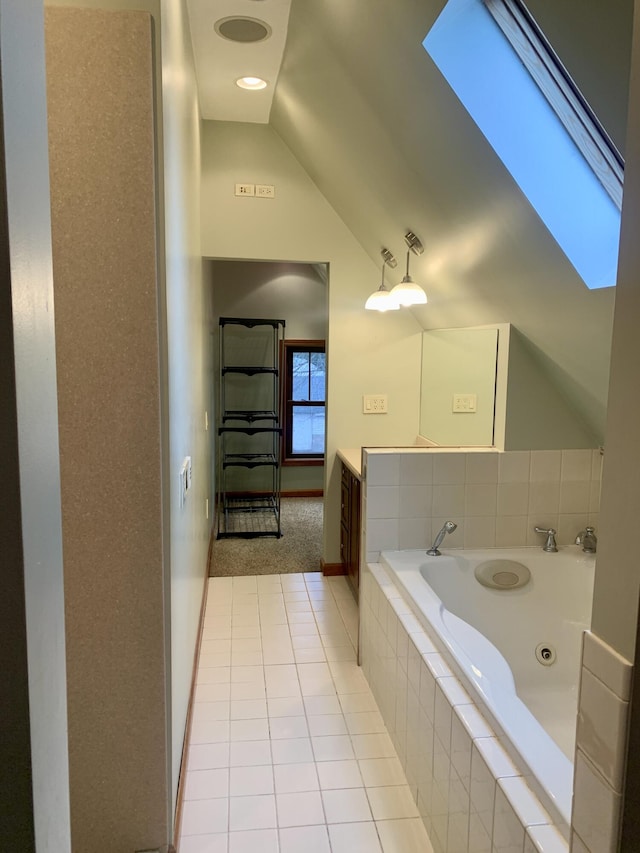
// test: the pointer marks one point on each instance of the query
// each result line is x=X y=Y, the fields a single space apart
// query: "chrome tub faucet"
x=447 y=527
x=588 y=539
x=550 y=544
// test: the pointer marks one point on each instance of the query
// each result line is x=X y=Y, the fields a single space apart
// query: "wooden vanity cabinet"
x=350 y=528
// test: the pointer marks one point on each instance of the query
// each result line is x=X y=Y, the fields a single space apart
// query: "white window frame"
x=546 y=69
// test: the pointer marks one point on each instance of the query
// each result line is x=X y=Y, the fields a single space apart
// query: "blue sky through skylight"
x=499 y=94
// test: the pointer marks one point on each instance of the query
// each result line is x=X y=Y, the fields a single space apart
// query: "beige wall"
x=186 y=360
x=367 y=352
x=105 y=285
x=530 y=412
x=538 y=415
x=389 y=154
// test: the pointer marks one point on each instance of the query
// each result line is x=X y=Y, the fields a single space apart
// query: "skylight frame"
x=494 y=85
x=547 y=70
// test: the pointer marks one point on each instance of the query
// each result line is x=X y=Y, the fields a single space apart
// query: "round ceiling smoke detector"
x=242 y=29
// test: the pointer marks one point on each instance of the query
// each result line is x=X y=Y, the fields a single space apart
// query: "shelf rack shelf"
x=249 y=431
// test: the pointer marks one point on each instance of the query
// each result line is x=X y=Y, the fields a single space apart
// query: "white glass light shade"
x=381 y=300
x=409 y=293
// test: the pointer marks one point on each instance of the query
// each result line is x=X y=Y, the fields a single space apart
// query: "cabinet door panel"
x=345 y=503
x=354 y=533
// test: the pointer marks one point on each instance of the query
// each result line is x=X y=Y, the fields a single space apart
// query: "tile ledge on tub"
x=454 y=691
x=545 y=839
x=524 y=802
x=401 y=607
x=473 y=721
x=496 y=757
x=438 y=666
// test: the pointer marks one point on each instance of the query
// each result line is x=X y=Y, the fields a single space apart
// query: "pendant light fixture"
x=408 y=292
x=381 y=299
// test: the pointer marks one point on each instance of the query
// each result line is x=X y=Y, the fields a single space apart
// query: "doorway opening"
x=296 y=293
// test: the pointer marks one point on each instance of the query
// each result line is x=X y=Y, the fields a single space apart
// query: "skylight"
x=498 y=92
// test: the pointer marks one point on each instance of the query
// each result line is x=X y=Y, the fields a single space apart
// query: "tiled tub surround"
x=605 y=692
x=469 y=792
x=491 y=637
x=495 y=498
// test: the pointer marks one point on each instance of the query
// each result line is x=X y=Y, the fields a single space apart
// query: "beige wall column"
x=101 y=104
x=617 y=584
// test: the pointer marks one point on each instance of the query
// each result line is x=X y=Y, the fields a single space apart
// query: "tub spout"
x=447 y=527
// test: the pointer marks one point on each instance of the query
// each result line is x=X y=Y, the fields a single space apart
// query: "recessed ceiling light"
x=242 y=29
x=252 y=83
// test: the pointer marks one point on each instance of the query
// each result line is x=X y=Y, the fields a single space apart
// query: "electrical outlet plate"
x=245 y=189
x=374 y=404
x=265 y=191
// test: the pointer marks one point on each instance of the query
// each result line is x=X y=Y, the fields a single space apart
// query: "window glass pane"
x=300 y=376
x=318 y=375
x=308 y=430
x=494 y=86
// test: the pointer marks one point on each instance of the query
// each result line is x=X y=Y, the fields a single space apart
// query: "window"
x=514 y=87
x=304 y=387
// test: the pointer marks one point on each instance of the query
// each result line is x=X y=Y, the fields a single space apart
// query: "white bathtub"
x=490 y=636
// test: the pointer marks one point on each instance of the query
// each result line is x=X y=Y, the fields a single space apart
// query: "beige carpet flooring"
x=298 y=550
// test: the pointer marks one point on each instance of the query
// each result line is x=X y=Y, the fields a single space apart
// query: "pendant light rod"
x=408 y=292
x=381 y=299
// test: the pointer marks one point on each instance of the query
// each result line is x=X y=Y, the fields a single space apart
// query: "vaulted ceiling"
x=369 y=116
x=233 y=39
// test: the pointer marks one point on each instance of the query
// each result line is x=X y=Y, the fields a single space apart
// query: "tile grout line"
x=336 y=694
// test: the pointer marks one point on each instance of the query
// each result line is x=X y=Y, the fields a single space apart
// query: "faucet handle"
x=550 y=544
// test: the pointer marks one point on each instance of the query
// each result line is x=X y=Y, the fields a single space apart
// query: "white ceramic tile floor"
x=288 y=752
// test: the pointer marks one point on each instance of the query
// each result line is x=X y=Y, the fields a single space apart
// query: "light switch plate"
x=374 y=404
x=464 y=403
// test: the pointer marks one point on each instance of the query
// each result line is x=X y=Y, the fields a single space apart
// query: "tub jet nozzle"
x=447 y=527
